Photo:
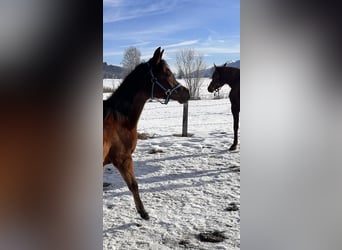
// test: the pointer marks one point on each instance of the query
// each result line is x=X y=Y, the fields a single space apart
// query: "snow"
x=204 y=94
x=186 y=183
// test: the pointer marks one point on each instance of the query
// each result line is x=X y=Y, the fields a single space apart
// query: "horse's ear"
x=214 y=66
x=161 y=54
x=224 y=65
x=156 y=56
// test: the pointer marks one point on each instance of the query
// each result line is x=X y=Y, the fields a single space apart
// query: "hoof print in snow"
x=108 y=170
x=111 y=206
x=155 y=151
x=106 y=186
x=183 y=242
x=143 y=136
x=235 y=169
x=232 y=207
x=215 y=236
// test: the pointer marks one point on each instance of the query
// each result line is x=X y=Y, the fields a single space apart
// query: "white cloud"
x=181 y=44
x=118 y=10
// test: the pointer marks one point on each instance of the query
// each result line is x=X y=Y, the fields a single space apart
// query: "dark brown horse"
x=231 y=76
x=122 y=110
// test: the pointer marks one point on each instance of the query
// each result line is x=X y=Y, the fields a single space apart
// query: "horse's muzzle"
x=211 y=89
x=182 y=95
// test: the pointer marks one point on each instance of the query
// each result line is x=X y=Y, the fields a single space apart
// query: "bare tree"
x=192 y=66
x=131 y=60
x=180 y=74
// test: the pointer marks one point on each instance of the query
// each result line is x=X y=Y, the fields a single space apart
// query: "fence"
x=168 y=119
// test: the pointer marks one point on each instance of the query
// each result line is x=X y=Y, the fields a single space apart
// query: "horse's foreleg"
x=106 y=147
x=235 y=113
x=127 y=172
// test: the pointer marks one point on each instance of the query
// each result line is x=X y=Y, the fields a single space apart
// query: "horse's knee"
x=133 y=186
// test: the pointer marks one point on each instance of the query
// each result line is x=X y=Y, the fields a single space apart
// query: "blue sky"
x=211 y=28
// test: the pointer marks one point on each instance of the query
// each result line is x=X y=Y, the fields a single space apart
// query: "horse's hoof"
x=144 y=215
x=233 y=147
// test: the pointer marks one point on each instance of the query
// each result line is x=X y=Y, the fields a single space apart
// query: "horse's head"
x=163 y=83
x=216 y=79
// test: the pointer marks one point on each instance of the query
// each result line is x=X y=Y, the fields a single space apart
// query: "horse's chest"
x=121 y=139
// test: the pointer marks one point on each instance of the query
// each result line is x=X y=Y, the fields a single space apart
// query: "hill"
x=209 y=72
x=111 y=71
x=116 y=72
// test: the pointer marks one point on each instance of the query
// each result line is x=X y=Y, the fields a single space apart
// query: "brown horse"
x=231 y=76
x=122 y=111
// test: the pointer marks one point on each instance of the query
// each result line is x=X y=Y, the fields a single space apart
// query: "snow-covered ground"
x=186 y=183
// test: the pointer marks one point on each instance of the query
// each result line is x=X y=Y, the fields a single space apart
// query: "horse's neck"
x=232 y=79
x=128 y=102
x=137 y=108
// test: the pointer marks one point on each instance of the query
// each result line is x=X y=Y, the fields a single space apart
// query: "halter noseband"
x=167 y=92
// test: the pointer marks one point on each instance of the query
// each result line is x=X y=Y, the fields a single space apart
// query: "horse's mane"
x=234 y=71
x=121 y=99
x=222 y=68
